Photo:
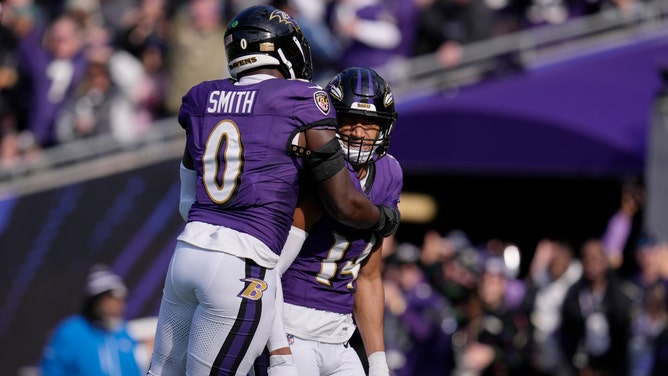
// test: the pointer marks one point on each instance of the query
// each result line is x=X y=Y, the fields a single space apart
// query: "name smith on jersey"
x=226 y=102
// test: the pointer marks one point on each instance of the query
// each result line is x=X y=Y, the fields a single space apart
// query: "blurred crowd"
x=580 y=308
x=72 y=69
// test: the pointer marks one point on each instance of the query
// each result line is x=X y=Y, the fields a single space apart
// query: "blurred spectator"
x=419 y=322
x=149 y=25
x=94 y=341
x=52 y=64
x=647 y=326
x=98 y=107
x=374 y=32
x=649 y=269
x=596 y=316
x=126 y=70
x=146 y=39
x=86 y=13
x=510 y=255
x=194 y=50
x=8 y=96
x=326 y=48
x=553 y=270
x=129 y=75
x=20 y=18
x=618 y=230
x=660 y=343
x=446 y=25
x=649 y=312
x=451 y=264
x=23 y=16
x=118 y=14
x=493 y=336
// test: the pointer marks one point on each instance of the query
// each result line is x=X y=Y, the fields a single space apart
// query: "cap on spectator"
x=101 y=279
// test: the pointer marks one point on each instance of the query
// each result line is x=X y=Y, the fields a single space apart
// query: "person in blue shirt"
x=94 y=342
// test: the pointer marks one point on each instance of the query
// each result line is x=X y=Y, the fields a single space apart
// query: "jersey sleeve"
x=395 y=179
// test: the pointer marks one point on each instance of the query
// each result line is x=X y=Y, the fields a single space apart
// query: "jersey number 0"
x=223 y=149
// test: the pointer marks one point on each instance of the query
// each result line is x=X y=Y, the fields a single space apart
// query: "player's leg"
x=306 y=355
x=232 y=323
x=176 y=312
x=343 y=359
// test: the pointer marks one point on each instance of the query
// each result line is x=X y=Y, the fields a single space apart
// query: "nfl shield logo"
x=322 y=101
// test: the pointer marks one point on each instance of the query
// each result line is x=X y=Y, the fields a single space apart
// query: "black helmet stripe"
x=360 y=85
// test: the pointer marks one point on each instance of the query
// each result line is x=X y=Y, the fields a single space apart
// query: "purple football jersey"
x=239 y=137
x=323 y=274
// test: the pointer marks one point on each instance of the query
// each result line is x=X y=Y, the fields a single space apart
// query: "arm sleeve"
x=278 y=338
x=188 y=181
x=291 y=249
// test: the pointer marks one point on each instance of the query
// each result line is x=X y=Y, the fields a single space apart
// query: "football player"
x=334 y=284
x=239 y=188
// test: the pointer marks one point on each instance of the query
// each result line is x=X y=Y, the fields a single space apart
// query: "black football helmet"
x=263 y=36
x=362 y=92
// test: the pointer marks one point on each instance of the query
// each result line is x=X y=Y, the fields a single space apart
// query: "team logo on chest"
x=322 y=101
x=254 y=289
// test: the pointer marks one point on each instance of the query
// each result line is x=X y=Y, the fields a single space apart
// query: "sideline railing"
x=529 y=48
x=93 y=157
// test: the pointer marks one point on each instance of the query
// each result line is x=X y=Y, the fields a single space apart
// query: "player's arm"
x=308 y=211
x=338 y=195
x=188 y=178
x=368 y=309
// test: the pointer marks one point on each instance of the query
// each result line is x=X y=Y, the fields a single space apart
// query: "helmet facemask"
x=361 y=97
x=360 y=150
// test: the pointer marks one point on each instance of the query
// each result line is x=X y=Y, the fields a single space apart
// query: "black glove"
x=388 y=222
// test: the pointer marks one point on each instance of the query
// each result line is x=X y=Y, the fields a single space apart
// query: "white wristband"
x=378 y=364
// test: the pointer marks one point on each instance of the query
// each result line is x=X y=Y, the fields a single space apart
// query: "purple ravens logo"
x=322 y=101
x=281 y=17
